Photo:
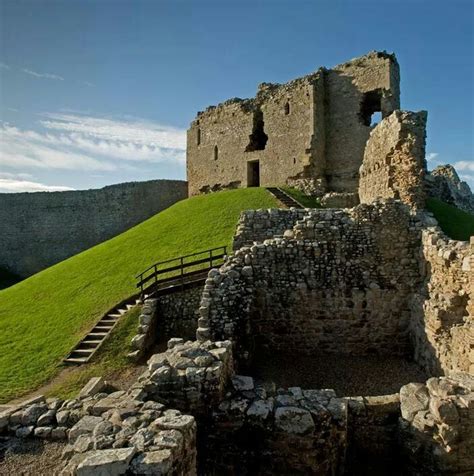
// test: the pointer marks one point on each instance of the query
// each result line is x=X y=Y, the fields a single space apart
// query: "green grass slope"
x=44 y=316
x=457 y=224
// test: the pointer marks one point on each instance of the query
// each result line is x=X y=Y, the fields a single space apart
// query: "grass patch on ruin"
x=44 y=316
x=110 y=361
x=299 y=196
x=457 y=224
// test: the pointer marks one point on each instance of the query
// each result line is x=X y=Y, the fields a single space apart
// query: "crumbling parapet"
x=394 y=164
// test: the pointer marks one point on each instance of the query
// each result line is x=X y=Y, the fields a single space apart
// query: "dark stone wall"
x=40 y=229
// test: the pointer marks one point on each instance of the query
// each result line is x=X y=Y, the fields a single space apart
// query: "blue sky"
x=101 y=91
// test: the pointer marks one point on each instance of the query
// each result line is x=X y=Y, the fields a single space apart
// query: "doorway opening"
x=253 y=173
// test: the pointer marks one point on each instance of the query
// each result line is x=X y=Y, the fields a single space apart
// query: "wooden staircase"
x=161 y=278
x=284 y=198
x=88 y=346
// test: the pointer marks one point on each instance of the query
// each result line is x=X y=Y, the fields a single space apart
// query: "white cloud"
x=43 y=75
x=16 y=186
x=4 y=66
x=138 y=132
x=83 y=142
x=431 y=156
x=464 y=165
x=87 y=83
x=23 y=183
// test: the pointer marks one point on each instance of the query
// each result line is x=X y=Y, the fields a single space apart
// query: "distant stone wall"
x=443 y=307
x=40 y=229
x=341 y=284
x=394 y=163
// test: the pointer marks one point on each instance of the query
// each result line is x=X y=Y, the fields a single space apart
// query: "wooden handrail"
x=179 y=270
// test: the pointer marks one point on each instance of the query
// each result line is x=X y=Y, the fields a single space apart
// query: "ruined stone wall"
x=341 y=284
x=309 y=133
x=43 y=228
x=354 y=90
x=276 y=129
x=436 y=430
x=263 y=224
x=394 y=164
x=266 y=433
x=443 y=307
x=178 y=314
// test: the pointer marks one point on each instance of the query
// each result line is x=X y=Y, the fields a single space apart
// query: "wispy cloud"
x=467 y=165
x=80 y=142
x=87 y=83
x=14 y=183
x=432 y=156
x=43 y=75
x=4 y=66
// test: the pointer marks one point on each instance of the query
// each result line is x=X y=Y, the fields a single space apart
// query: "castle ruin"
x=310 y=133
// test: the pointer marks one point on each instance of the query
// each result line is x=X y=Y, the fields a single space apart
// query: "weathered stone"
x=241 y=383
x=294 y=420
x=84 y=426
x=109 y=462
x=94 y=386
x=153 y=462
x=414 y=397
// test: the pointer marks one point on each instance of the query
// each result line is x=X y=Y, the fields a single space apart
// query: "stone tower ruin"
x=310 y=132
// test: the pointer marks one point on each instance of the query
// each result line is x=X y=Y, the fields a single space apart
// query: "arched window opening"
x=216 y=152
x=199 y=136
x=287 y=108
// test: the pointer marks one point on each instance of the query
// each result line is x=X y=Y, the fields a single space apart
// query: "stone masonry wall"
x=43 y=228
x=354 y=90
x=443 y=307
x=310 y=132
x=178 y=314
x=394 y=164
x=257 y=226
x=340 y=284
x=436 y=428
x=220 y=142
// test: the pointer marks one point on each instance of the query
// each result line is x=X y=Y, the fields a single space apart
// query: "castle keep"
x=309 y=133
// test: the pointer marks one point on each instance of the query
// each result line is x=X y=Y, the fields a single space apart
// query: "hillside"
x=457 y=224
x=42 y=317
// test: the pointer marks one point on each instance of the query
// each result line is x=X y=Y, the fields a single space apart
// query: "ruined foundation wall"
x=257 y=226
x=341 y=284
x=347 y=127
x=40 y=229
x=394 y=163
x=443 y=307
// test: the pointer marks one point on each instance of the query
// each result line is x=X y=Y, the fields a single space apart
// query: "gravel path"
x=30 y=457
x=347 y=375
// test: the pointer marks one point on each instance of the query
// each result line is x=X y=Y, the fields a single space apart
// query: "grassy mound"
x=457 y=224
x=44 y=316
